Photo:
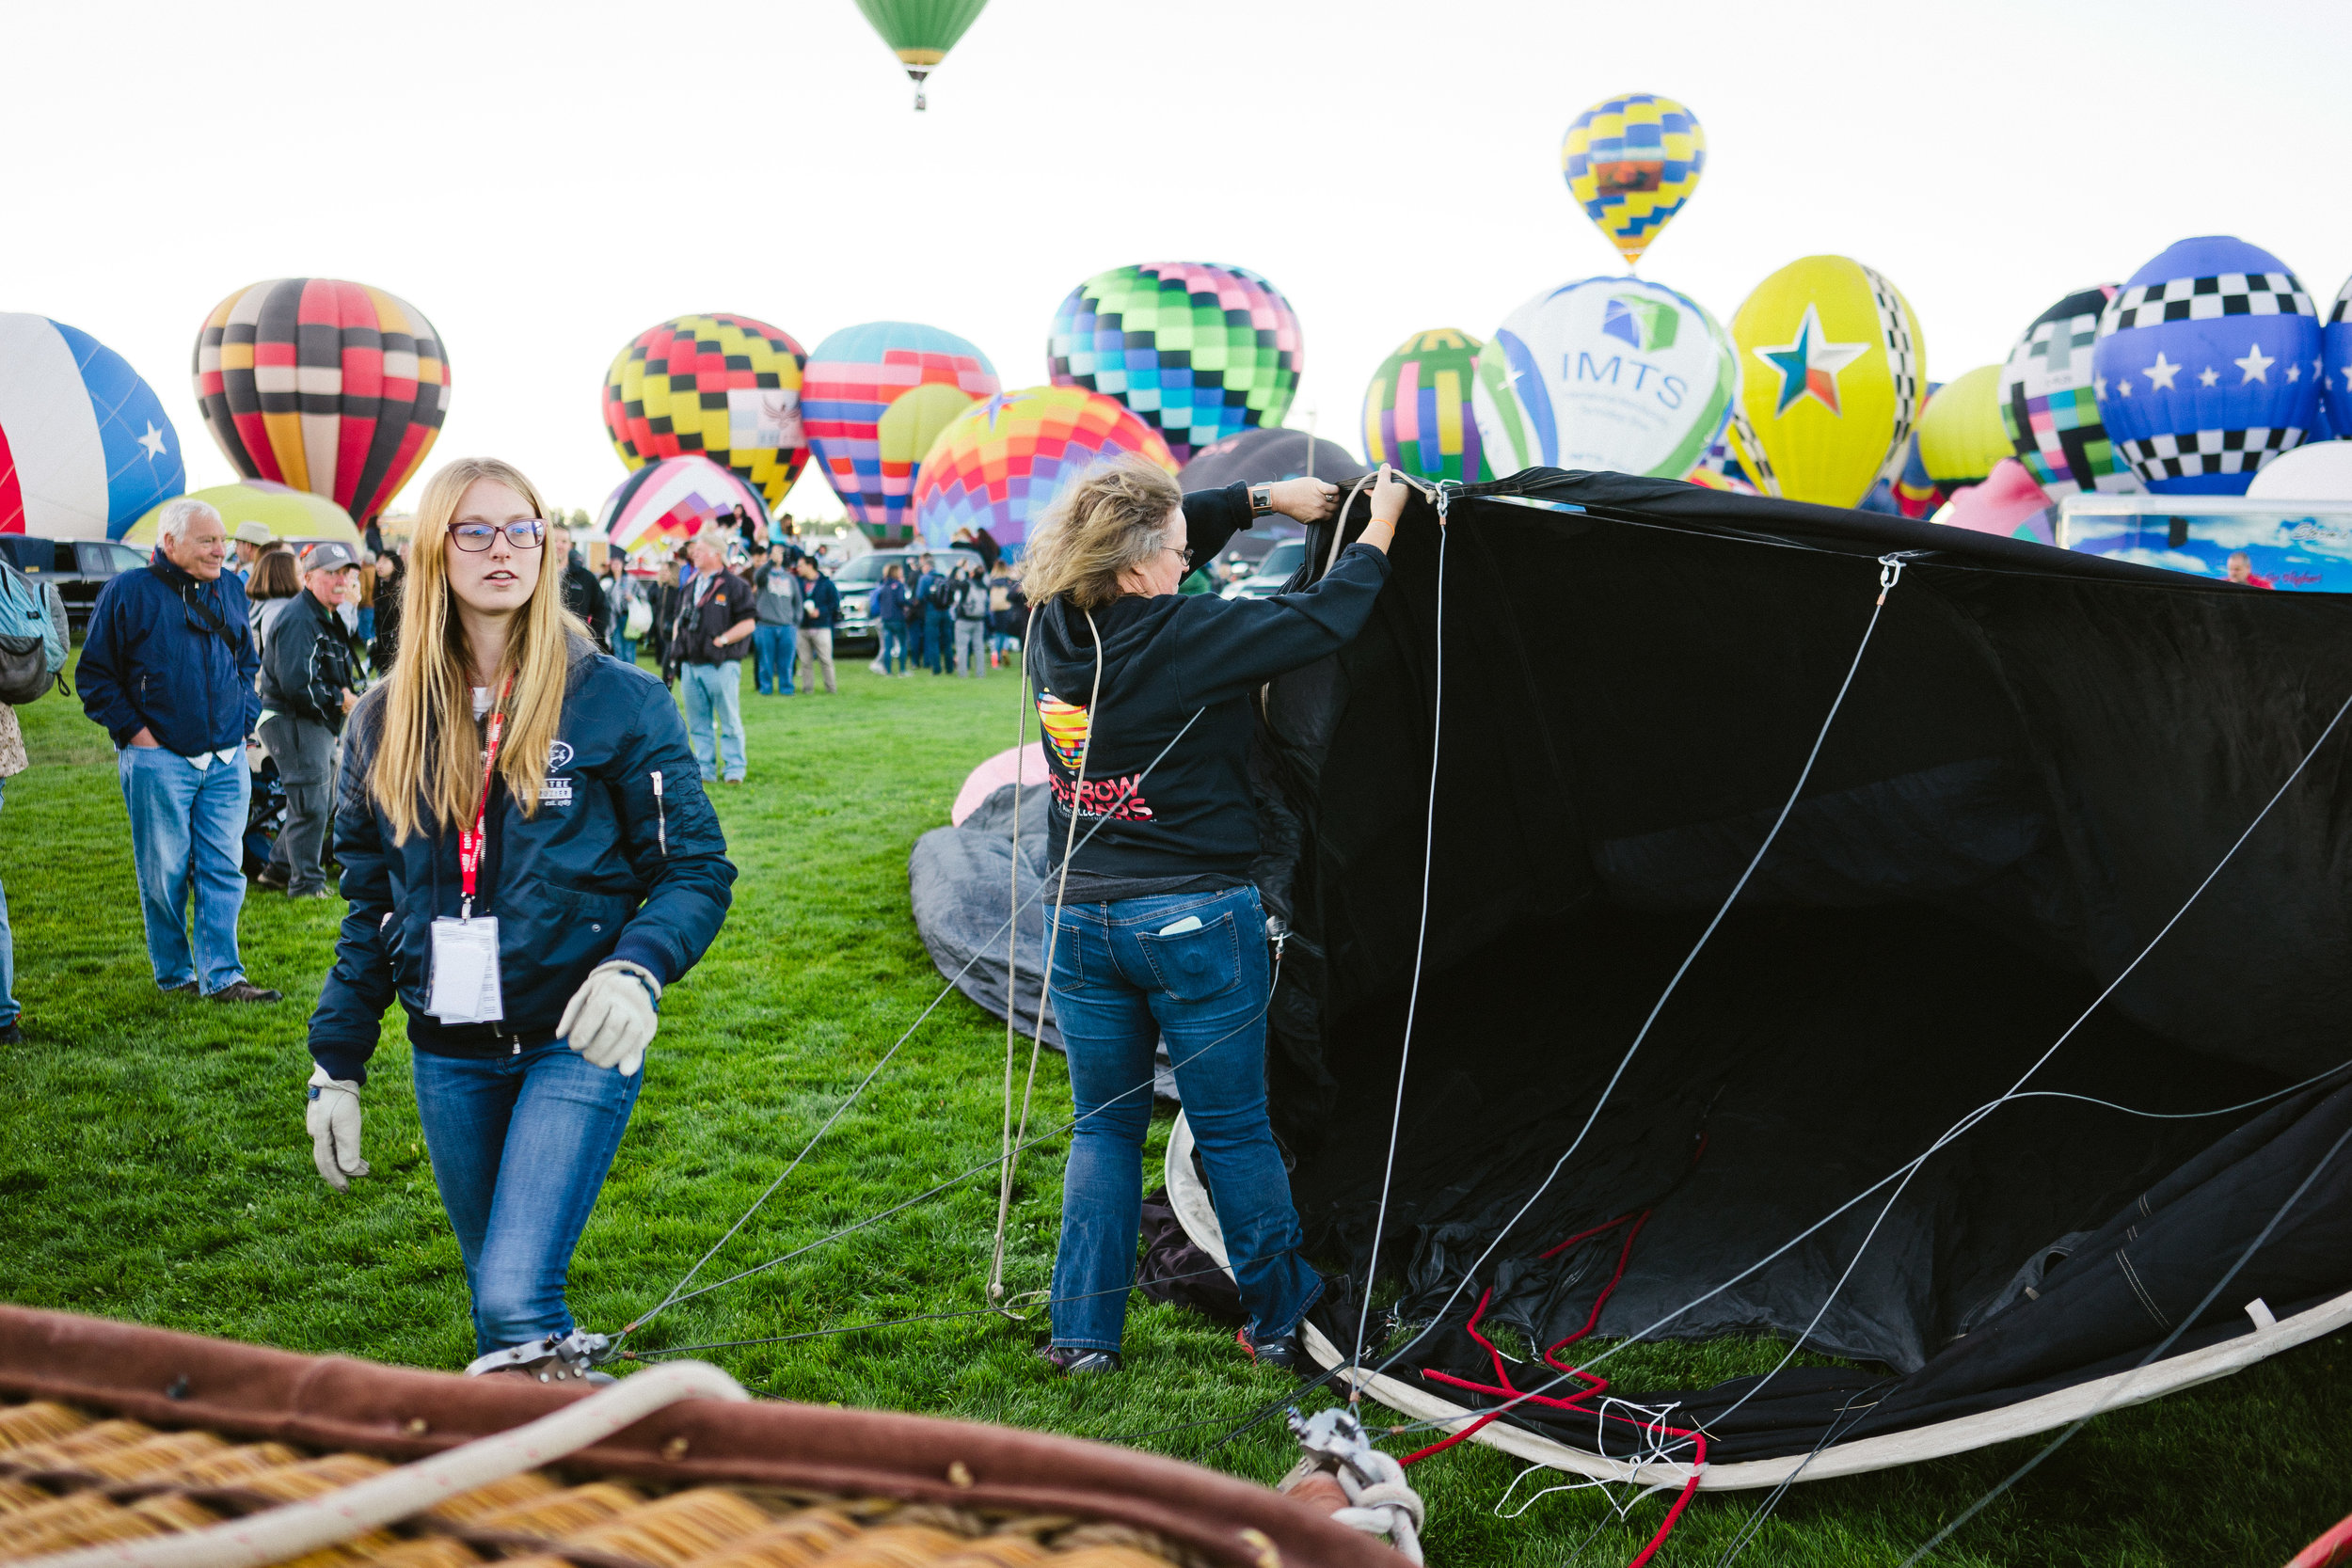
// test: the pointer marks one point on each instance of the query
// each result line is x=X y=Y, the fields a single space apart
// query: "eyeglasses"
x=524 y=533
x=1182 y=553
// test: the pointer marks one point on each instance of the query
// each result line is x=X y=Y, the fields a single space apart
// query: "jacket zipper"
x=661 y=817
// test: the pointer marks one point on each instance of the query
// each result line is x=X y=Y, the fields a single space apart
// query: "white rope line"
x=1421 y=944
x=1012 y=945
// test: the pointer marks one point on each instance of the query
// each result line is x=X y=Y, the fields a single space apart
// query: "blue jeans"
x=894 y=644
x=772 y=653
x=520 y=1146
x=938 y=642
x=9 y=1009
x=715 y=691
x=187 y=834
x=1119 y=985
x=624 y=648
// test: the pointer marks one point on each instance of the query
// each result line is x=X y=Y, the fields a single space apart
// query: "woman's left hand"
x=1310 y=501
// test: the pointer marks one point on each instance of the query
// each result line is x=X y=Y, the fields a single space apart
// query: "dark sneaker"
x=1283 y=1353
x=11 y=1033
x=244 y=990
x=1077 y=1361
x=271 y=877
x=310 y=893
x=186 y=987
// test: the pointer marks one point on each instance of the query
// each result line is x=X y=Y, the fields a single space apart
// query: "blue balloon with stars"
x=2335 y=349
x=2207 y=366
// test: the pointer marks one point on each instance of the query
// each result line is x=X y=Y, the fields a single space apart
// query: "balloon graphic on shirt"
x=2047 y=405
x=1961 y=436
x=920 y=32
x=1418 y=413
x=85 y=444
x=2208 y=365
x=329 y=386
x=1611 y=373
x=1631 y=161
x=1005 y=460
x=878 y=396
x=1832 y=366
x=665 y=503
x=1195 y=350
x=725 y=387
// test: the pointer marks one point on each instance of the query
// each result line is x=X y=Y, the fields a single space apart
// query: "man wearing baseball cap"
x=250 y=539
x=306 y=691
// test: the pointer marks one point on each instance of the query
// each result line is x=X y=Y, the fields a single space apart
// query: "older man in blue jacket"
x=167 y=668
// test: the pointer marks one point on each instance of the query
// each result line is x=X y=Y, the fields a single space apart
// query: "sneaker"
x=186 y=987
x=11 y=1033
x=1077 y=1361
x=1283 y=1353
x=273 y=877
x=244 y=990
x=312 y=893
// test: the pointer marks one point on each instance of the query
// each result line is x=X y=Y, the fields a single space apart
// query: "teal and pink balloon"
x=2208 y=364
x=2048 y=407
x=873 y=399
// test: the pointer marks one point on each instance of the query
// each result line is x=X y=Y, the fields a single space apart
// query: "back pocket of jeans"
x=1195 y=965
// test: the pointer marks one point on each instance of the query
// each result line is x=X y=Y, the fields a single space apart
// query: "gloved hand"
x=332 y=1117
x=611 y=1019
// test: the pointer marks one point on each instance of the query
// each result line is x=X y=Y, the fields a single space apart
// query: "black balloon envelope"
x=1259 y=456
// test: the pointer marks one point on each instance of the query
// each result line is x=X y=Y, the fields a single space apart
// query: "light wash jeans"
x=187 y=837
x=9 y=1009
x=520 y=1147
x=715 y=691
x=1119 y=985
x=893 y=645
x=771 y=648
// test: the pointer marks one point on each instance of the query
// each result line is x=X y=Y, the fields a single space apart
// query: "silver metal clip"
x=1890 y=572
x=557 y=1359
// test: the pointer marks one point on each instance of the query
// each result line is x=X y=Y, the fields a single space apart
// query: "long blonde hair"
x=1114 y=518
x=428 y=756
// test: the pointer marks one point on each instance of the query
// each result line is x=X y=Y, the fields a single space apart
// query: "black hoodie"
x=1189 y=822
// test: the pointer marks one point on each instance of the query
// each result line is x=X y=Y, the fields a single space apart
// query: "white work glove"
x=611 y=1019
x=332 y=1117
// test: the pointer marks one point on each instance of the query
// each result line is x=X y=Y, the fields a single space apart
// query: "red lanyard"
x=470 y=839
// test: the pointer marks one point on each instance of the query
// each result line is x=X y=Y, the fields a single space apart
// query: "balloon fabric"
x=667 y=502
x=2314 y=471
x=334 y=387
x=2208 y=364
x=1005 y=460
x=1613 y=375
x=1419 y=417
x=878 y=394
x=2048 y=407
x=1632 y=162
x=85 y=444
x=1834 y=363
x=1195 y=350
x=1261 y=457
x=920 y=32
x=286 y=512
x=723 y=386
x=1960 y=435
x=2336 y=372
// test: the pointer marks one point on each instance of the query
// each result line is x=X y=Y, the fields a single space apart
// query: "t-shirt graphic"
x=1067 y=726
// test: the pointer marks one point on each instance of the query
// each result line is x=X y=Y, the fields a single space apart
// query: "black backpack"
x=942 y=592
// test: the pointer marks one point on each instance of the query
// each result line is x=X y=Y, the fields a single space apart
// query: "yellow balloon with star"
x=1833 y=376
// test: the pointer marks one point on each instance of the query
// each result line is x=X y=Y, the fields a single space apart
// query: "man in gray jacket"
x=776 y=606
x=306 y=691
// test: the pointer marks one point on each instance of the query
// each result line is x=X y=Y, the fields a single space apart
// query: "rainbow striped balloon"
x=1002 y=463
x=668 y=501
x=877 y=396
x=1417 y=411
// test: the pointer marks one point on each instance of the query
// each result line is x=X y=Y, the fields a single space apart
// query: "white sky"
x=545 y=181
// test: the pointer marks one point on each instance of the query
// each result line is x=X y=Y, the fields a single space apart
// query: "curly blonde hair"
x=1113 y=520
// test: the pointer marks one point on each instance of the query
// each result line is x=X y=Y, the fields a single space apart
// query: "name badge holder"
x=465 y=988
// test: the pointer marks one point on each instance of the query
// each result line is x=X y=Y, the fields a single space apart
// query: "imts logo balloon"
x=1961 y=436
x=1418 y=413
x=1631 y=161
x=1833 y=365
x=722 y=386
x=1609 y=374
x=333 y=388
x=2047 y=407
x=1195 y=350
x=920 y=32
x=85 y=444
x=878 y=394
x=1003 y=462
x=2207 y=366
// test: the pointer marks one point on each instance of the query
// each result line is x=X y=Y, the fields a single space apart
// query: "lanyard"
x=470 y=841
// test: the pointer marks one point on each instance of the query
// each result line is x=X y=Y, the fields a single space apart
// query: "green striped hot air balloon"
x=920 y=31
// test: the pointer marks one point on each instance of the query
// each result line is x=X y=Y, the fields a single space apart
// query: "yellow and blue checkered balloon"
x=1633 y=161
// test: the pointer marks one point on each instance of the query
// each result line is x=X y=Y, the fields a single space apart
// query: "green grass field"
x=153 y=1167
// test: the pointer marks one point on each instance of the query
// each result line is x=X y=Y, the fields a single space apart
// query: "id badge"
x=465 y=971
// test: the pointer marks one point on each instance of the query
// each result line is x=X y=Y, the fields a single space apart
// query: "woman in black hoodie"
x=1158 y=929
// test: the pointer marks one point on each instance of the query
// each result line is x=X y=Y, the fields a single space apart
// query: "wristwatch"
x=1261 y=499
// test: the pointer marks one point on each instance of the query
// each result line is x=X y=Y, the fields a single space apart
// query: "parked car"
x=1274 y=571
x=81 y=568
x=856 y=634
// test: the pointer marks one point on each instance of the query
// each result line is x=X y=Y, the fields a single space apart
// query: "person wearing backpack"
x=969 y=605
x=939 y=622
x=12 y=762
x=168 y=670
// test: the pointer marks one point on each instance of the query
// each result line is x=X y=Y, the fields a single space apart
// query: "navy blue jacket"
x=145 y=665
x=890 y=600
x=603 y=871
x=820 y=610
